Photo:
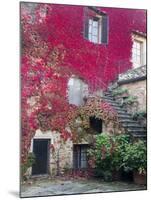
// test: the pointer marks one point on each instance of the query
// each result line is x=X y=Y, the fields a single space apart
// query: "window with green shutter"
x=96 y=28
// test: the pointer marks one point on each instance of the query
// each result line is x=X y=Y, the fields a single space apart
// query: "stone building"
x=73 y=155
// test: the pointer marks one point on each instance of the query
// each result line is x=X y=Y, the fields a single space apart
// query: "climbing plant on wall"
x=53 y=48
x=94 y=107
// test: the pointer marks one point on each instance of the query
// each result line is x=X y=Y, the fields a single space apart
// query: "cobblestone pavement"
x=63 y=187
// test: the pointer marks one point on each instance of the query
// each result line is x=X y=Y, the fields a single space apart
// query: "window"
x=139 y=51
x=80 y=156
x=77 y=90
x=96 y=29
x=96 y=124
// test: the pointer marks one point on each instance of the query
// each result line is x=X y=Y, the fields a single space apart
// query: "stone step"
x=140 y=136
x=136 y=128
x=108 y=95
x=136 y=132
x=122 y=112
x=126 y=120
x=133 y=125
x=124 y=116
x=116 y=107
x=108 y=98
x=116 y=104
x=129 y=120
x=119 y=108
x=113 y=104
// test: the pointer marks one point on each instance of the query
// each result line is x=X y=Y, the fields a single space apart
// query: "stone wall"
x=113 y=129
x=137 y=89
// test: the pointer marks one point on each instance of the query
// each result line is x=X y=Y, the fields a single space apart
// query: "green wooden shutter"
x=86 y=23
x=105 y=29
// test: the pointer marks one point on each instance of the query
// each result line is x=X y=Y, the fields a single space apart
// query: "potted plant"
x=141 y=117
x=135 y=159
x=119 y=94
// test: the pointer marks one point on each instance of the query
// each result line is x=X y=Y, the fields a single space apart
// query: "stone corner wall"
x=137 y=89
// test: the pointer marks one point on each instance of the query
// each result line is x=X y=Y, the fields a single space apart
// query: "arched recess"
x=95 y=117
x=77 y=91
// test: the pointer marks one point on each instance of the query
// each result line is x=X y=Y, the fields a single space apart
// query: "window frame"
x=135 y=55
x=142 y=40
x=103 y=19
x=77 y=156
x=99 y=29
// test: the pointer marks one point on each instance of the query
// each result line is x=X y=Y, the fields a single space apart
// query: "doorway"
x=42 y=154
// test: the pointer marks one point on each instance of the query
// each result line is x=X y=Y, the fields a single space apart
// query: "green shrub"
x=119 y=91
x=30 y=161
x=129 y=100
x=139 y=115
x=114 y=153
x=135 y=157
x=108 y=154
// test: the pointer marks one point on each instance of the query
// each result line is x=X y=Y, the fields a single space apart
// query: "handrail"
x=97 y=83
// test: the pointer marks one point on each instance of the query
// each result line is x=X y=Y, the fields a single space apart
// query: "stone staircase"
x=132 y=127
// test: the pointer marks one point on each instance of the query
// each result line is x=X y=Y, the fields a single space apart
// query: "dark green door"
x=41 y=151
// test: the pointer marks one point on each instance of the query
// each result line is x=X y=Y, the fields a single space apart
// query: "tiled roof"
x=133 y=75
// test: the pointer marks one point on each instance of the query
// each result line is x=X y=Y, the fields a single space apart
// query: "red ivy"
x=53 y=48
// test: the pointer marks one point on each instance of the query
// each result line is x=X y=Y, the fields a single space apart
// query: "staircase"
x=132 y=127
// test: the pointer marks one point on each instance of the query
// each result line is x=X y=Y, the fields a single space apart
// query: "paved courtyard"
x=63 y=187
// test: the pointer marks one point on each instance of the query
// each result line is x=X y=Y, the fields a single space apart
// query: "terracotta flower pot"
x=140 y=179
x=116 y=175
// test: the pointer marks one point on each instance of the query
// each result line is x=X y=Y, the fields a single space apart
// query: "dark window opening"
x=80 y=160
x=96 y=124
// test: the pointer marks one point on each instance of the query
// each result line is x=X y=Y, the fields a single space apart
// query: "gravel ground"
x=62 y=187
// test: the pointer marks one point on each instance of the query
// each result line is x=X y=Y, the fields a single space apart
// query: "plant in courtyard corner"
x=107 y=154
x=135 y=158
